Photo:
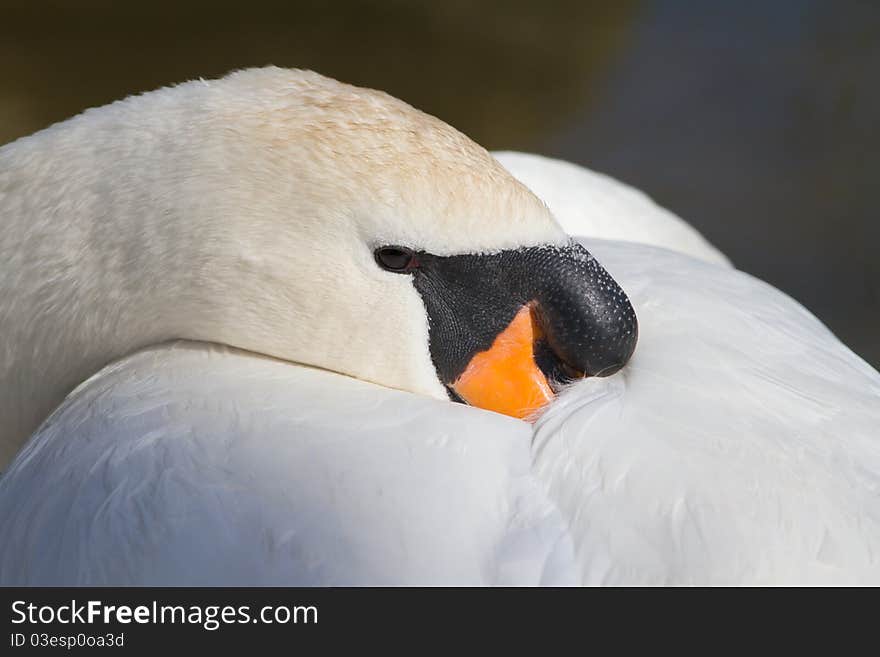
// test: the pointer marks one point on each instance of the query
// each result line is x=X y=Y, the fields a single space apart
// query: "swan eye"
x=396 y=258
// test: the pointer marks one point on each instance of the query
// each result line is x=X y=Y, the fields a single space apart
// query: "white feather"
x=193 y=465
x=592 y=204
x=741 y=445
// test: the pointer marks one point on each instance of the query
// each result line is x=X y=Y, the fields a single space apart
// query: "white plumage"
x=198 y=465
x=590 y=203
x=741 y=445
x=242 y=211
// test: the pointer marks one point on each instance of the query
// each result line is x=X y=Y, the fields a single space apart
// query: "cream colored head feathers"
x=241 y=211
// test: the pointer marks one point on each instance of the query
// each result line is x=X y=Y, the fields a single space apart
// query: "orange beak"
x=506 y=379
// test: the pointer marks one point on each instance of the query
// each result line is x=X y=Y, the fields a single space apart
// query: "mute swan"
x=290 y=215
x=739 y=446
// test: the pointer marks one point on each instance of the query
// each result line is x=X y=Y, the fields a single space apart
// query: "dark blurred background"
x=755 y=121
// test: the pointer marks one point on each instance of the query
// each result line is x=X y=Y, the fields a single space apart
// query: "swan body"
x=193 y=464
x=739 y=446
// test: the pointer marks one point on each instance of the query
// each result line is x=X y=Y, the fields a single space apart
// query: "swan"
x=289 y=215
x=738 y=446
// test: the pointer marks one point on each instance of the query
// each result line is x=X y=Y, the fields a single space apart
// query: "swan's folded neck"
x=99 y=256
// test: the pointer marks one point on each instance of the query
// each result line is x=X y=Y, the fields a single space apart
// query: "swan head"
x=362 y=236
x=285 y=213
x=351 y=232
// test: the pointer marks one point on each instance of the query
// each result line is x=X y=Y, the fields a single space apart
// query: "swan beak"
x=506 y=378
x=507 y=329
